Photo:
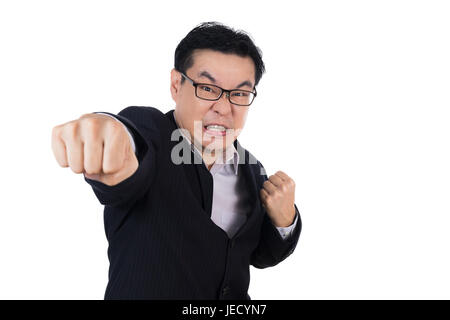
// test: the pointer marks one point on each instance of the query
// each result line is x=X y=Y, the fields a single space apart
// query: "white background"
x=355 y=106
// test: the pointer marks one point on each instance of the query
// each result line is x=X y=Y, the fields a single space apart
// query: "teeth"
x=216 y=128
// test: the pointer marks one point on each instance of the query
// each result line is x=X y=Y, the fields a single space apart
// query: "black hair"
x=218 y=37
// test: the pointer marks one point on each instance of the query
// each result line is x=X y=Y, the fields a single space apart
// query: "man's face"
x=228 y=71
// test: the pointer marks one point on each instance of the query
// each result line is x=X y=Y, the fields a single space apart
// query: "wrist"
x=287 y=221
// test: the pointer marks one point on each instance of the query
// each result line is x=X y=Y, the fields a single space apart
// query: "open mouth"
x=215 y=130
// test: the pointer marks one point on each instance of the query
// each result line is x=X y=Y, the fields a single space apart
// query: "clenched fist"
x=277 y=196
x=96 y=145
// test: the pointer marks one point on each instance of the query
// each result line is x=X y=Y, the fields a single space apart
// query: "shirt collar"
x=231 y=155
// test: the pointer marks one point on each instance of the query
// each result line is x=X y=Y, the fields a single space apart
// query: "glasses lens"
x=208 y=92
x=241 y=97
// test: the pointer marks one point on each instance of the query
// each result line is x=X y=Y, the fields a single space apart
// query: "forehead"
x=223 y=66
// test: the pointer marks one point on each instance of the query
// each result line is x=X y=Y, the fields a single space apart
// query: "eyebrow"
x=206 y=74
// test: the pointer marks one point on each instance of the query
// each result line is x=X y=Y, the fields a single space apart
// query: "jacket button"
x=225 y=290
x=232 y=244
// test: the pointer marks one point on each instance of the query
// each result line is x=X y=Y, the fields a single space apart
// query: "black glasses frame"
x=222 y=90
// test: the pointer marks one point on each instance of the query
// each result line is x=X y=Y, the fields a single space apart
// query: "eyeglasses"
x=211 y=92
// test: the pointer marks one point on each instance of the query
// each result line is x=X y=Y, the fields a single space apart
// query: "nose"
x=223 y=105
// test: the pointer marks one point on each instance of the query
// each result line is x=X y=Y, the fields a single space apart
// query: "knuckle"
x=71 y=129
x=92 y=131
x=86 y=115
x=115 y=134
x=114 y=126
x=92 y=168
x=88 y=170
x=91 y=126
x=63 y=164
x=110 y=166
x=109 y=169
x=56 y=131
x=76 y=168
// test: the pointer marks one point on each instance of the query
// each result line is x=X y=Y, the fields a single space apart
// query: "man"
x=187 y=209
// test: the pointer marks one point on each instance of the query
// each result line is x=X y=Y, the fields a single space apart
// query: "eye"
x=206 y=88
x=240 y=94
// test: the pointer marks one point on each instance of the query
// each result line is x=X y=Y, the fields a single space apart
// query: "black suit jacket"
x=162 y=241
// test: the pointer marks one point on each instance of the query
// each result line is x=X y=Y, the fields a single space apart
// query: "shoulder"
x=142 y=114
x=147 y=118
x=147 y=124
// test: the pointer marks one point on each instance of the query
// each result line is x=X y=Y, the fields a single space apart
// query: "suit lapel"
x=247 y=172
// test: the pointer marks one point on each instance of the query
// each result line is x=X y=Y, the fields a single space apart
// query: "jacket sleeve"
x=272 y=249
x=142 y=125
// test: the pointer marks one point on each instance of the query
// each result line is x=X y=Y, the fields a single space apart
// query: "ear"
x=175 y=84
